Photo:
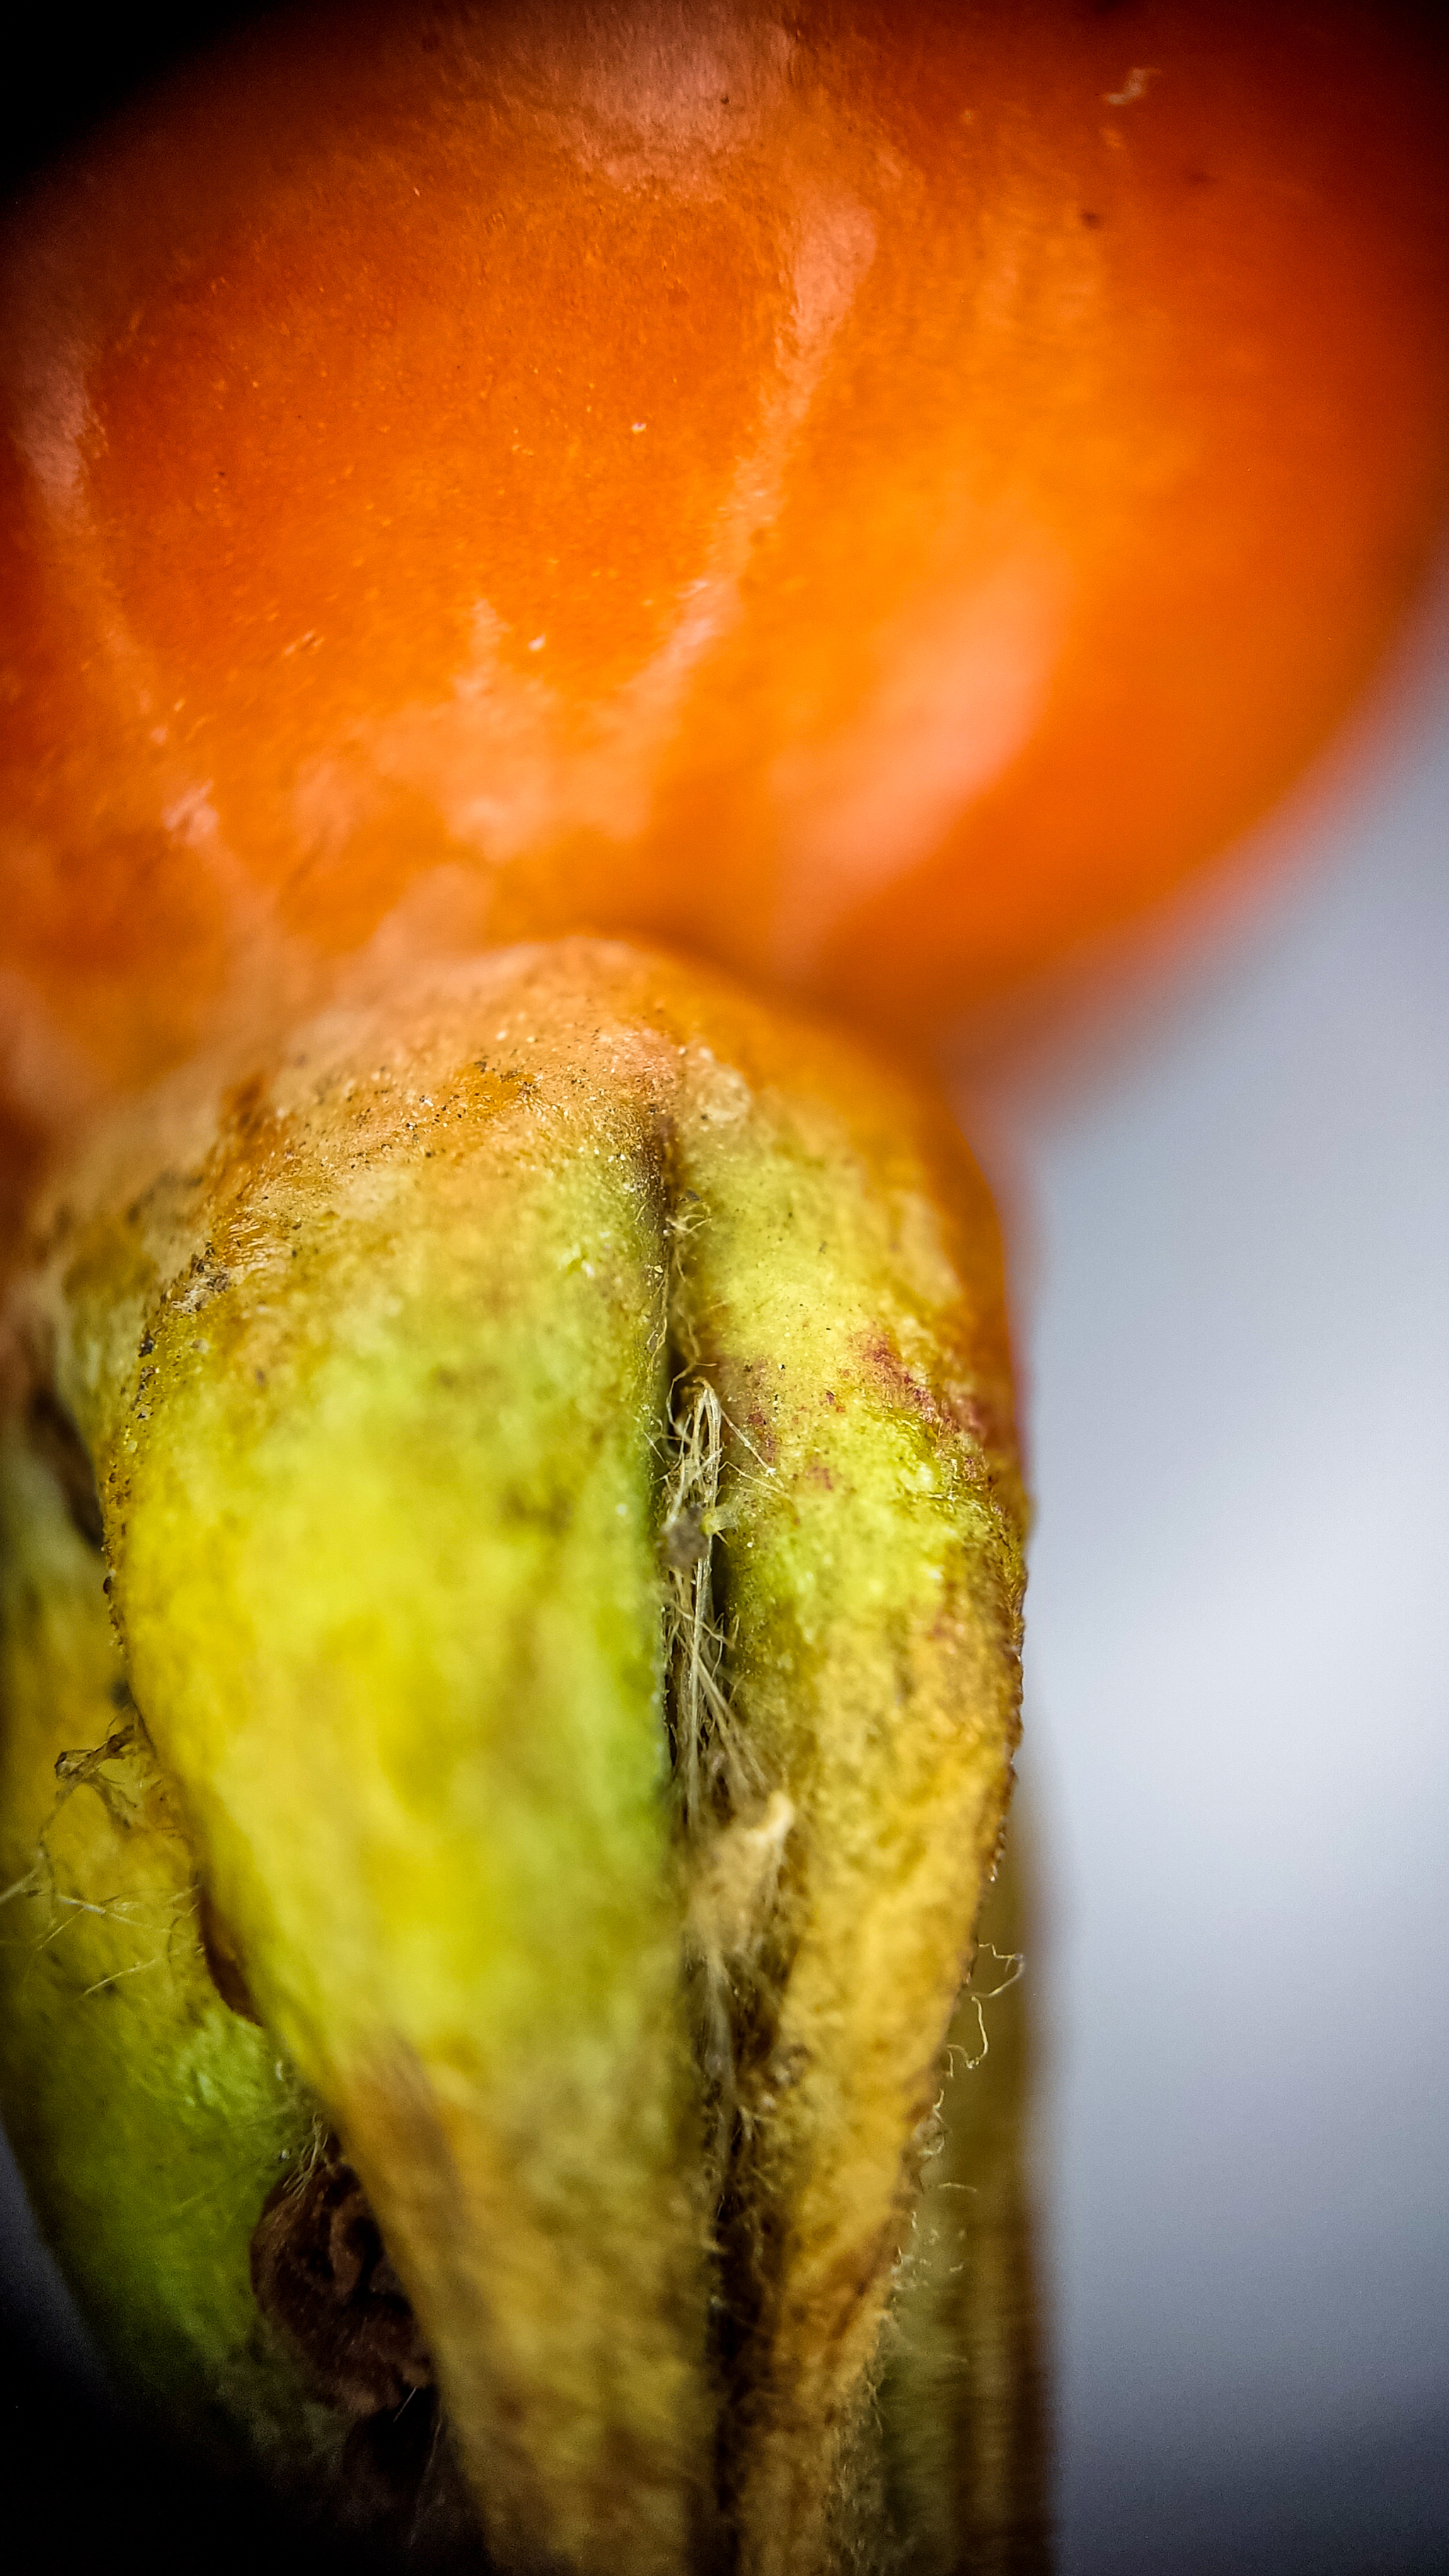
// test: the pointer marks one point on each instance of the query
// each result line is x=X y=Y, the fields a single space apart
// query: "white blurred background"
x=1235 y=1303
x=1235 y=1314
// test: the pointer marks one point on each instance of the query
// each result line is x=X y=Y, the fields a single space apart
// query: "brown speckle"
x=944 y=1408
x=321 y=2273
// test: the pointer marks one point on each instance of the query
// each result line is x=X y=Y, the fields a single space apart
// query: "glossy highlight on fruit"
x=510 y=1670
x=874 y=495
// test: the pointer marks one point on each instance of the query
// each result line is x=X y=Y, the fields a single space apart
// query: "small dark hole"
x=223 y=1960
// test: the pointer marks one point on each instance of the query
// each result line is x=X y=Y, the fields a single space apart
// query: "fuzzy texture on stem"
x=552 y=1437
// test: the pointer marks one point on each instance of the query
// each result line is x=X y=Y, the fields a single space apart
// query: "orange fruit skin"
x=875 y=494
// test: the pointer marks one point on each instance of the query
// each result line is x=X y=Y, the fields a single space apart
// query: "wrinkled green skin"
x=374 y=1356
x=151 y=2122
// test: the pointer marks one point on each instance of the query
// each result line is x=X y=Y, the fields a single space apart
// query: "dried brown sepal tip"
x=554 y=1440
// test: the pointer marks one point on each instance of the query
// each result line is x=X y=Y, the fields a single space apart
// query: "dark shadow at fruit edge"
x=88 y=2488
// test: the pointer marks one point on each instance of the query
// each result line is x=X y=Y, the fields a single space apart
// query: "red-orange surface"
x=875 y=493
